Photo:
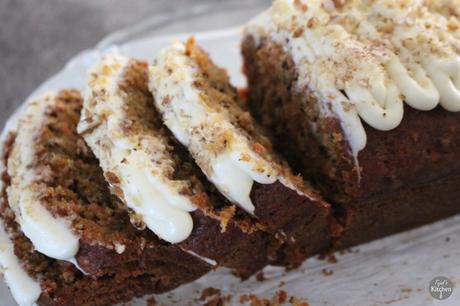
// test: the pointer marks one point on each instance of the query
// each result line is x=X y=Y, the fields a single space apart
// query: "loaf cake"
x=205 y=113
x=65 y=240
x=162 y=173
x=362 y=98
x=156 y=178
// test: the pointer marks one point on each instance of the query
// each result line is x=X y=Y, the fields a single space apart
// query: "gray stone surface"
x=38 y=37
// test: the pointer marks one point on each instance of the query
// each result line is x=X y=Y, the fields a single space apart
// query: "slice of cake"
x=65 y=240
x=204 y=112
x=156 y=178
x=361 y=97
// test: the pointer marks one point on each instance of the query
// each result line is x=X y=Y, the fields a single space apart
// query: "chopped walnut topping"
x=225 y=216
x=258 y=148
x=112 y=178
x=312 y=22
x=301 y=5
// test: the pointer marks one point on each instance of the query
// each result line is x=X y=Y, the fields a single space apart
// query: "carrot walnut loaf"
x=64 y=239
x=156 y=178
x=203 y=111
x=362 y=97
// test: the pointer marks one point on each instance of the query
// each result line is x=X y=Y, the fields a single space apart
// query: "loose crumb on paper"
x=260 y=277
x=327 y=272
x=151 y=302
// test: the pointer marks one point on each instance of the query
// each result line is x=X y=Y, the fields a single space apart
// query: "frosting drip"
x=364 y=57
x=25 y=290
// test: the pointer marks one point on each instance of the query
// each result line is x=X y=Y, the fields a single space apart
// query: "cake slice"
x=155 y=177
x=205 y=113
x=65 y=240
x=362 y=98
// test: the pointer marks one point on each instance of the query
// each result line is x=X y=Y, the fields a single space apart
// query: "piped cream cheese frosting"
x=50 y=235
x=25 y=289
x=363 y=58
x=133 y=153
x=221 y=149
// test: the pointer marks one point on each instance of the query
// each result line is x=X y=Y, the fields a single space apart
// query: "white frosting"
x=232 y=168
x=75 y=263
x=423 y=35
x=120 y=248
x=232 y=181
x=374 y=51
x=139 y=160
x=209 y=261
x=25 y=290
x=52 y=236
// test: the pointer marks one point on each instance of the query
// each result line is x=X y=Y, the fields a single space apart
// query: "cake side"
x=204 y=113
x=312 y=142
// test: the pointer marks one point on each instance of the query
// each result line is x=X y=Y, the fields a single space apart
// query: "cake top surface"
x=363 y=58
x=202 y=109
x=120 y=124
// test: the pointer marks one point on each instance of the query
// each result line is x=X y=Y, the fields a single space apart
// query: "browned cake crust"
x=407 y=176
x=302 y=220
x=157 y=268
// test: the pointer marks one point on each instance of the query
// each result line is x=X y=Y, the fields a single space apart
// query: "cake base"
x=305 y=221
x=400 y=210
